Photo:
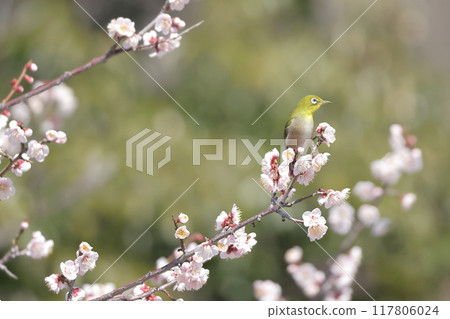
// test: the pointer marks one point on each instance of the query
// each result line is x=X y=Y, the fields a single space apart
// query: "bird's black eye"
x=314 y=100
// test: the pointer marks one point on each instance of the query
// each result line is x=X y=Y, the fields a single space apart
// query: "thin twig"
x=164 y=9
x=184 y=257
x=95 y=61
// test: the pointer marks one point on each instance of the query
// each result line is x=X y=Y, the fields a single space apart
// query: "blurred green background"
x=392 y=66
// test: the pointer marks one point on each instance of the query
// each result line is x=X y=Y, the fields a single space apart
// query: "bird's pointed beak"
x=325 y=102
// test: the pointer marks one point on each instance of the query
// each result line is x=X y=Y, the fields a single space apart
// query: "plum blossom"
x=315 y=223
x=16 y=133
x=86 y=258
x=288 y=155
x=343 y=272
x=205 y=251
x=331 y=197
x=182 y=232
x=341 y=218
x=69 y=269
x=302 y=164
x=21 y=166
x=387 y=169
x=96 y=290
x=368 y=214
x=307 y=277
x=183 y=218
x=346 y=266
x=304 y=170
x=39 y=247
x=4 y=117
x=267 y=290
x=150 y=37
x=177 y=24
x=55 y=283
x=225 y=221
x=61 y=96
x=381 y=227
x=293 y=255
x=403 y=158
x=163 y=23
x=275 y=177
x=132 y=42
x=165 y=45
x=326 y=133
x=177 y=5
x=6 y=188
x=76 y=295
x=396 y=138
x=319 y=160
x=189 y=276
x=121 y=27
x=58 y=137
x=236 y=245
x=84 y=247
x=143 y=289
x=408 y=200
x=37 y=150
x=367 y=191
x=86 y=262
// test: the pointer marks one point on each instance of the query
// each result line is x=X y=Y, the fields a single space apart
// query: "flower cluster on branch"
x=335 y=281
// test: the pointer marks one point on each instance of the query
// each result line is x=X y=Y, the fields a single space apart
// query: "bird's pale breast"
x=300 y=129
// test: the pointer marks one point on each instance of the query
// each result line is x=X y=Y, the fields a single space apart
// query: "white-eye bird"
x=300 y=125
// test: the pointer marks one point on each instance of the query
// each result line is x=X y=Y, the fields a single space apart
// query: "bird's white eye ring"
x=314 y=100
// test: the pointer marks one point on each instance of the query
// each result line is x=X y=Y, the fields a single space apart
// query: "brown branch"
x=13 y=161
x=13 y=253
x=17 y=82
x=66 y=75
x=189 y=254
x=95 y=61
x=184 y=257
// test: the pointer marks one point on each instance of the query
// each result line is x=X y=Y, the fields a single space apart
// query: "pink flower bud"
x=28 y=132
x=24 y=225
x=19 y=89
x=29 y=78
x=32 y=67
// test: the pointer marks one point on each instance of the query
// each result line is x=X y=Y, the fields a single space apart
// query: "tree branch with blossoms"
x=335 y=282
x=185 y=270
x=16 y=146
x=37 y=248
x=165 y=37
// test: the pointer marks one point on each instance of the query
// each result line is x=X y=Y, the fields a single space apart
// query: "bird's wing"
x=286 y=128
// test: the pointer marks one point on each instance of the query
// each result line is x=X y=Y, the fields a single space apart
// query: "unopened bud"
x=29 y=78
x=28 y=132
x=32 y=67
x=19 y=89
x=24 y=225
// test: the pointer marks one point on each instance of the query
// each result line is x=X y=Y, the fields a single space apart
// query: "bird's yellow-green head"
x=308 y=105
